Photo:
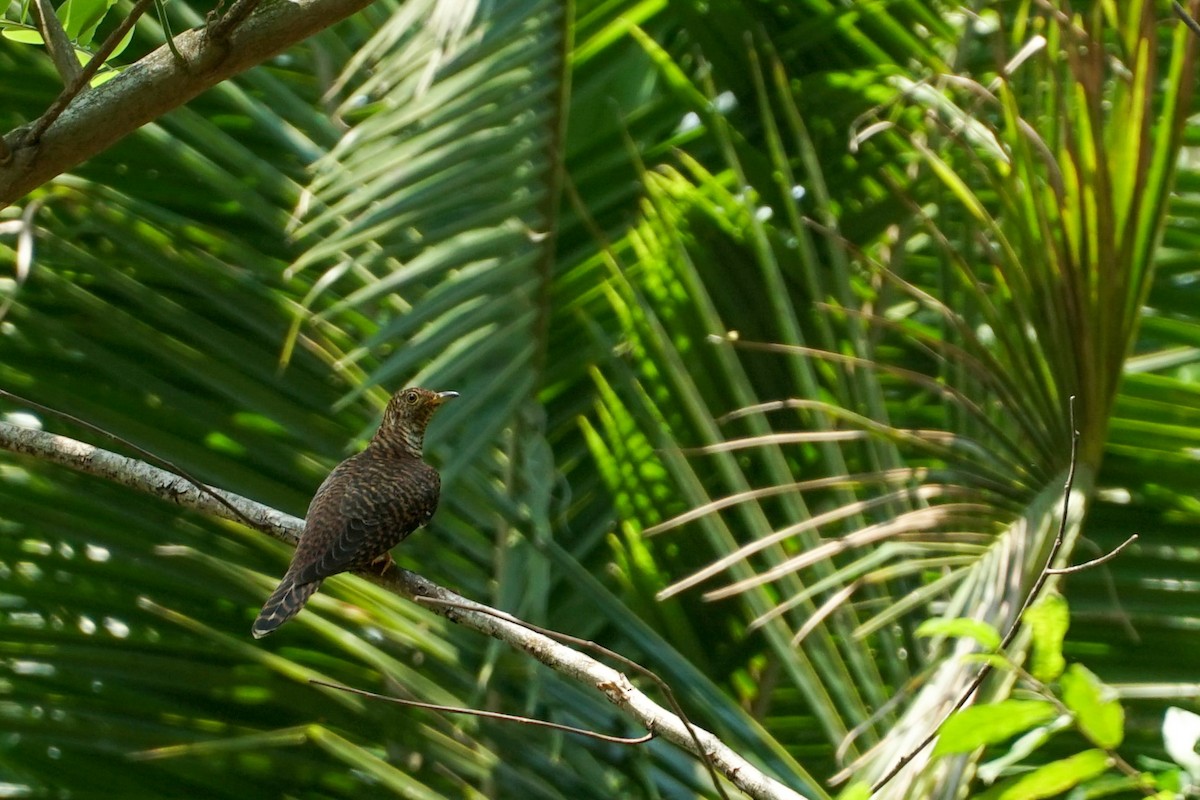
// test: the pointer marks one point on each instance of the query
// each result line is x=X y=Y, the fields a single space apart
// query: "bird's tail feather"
x=282 y=605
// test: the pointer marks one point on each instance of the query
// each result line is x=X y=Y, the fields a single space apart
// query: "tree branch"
x=80 y=81
x=476 y=616
x=149 y=479
x=146 y=90
x=58 y=45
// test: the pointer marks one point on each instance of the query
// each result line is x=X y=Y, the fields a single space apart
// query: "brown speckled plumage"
x=364 y=508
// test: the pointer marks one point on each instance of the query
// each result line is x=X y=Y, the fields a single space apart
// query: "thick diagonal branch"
x=559 y=657
x=144 y=91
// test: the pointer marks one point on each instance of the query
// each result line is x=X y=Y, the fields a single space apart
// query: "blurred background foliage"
x=765 y=317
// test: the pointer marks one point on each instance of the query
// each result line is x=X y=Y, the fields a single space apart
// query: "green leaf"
x=994 y=660
x=1048 y=620
x=987 y=724
x=962 y=627
x=22 y=35
x=121 y=45
x=1097 y=711
x=855 y=791
x=104 y=77
x=1020 y=749
x=1055 y=778
x=80 y=18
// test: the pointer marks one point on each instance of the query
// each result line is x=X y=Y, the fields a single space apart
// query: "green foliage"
x=976 y=726
x=855 y=791
x=784 y=376
x=1048 y=620
x=1097 y=712
x=1051 y=780
x=81 y=19
x=1075 y=699
x=987 y=636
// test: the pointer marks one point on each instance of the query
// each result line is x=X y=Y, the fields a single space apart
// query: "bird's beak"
x=444 y=396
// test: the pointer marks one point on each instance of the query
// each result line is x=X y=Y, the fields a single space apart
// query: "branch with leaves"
x=1052 y=696
x=565 y=660
x=85 y=121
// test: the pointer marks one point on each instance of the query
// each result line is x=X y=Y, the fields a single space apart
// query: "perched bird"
x=364 y=508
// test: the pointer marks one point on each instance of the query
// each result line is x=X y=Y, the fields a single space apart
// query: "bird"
x=366 y=506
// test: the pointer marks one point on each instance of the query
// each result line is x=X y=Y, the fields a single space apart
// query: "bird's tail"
x=282 y=605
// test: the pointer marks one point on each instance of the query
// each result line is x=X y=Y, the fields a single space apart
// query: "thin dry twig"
x=1033 y=594
x=1095 y=562
x=475 y=712
x=626 y=662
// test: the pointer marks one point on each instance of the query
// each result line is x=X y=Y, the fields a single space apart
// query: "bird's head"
x=407 y=415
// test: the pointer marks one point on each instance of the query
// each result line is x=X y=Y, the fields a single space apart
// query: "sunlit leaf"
x=990 y=723
x=1097 y=710
x=1055 y=778
x=1048 y=619
x=963 y=627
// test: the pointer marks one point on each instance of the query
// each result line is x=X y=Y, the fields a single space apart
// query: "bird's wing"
x=362 y=510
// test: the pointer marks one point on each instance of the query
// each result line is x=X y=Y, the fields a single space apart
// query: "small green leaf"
x=1048 y=620
x=80 y=18
x=22 y=35
x=962 y=627
x=121 y=45
x=1097 y=711
x=104 y=77
x=988 y=724
x=1021 y=749
x=1056 y=777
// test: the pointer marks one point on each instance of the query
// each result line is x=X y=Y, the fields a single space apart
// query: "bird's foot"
x=381 y=565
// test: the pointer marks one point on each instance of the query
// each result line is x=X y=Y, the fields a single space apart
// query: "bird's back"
x=363 y=509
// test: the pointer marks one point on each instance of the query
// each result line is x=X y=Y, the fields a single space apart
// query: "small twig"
x=140 y=451
x=58 y=44
x=87 y=73
x=626 y=662
x=1095 y=562
x=1193 y=26
x=160 y=8
x=474 y=712
x=1040 y=582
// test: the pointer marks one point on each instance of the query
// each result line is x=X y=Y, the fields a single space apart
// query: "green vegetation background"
x=927 y=225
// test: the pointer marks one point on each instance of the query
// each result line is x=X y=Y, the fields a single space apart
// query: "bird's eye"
x=411 y=398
